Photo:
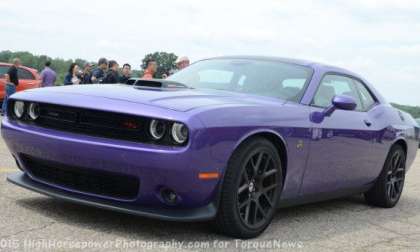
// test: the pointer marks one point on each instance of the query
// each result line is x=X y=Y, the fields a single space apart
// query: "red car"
x=28 y=78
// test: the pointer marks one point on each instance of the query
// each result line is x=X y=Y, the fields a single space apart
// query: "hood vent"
x=155 y=83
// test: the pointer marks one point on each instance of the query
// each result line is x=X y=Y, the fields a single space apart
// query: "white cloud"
x=378 y=39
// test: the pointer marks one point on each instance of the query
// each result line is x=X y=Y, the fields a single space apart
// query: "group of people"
x=106 y=72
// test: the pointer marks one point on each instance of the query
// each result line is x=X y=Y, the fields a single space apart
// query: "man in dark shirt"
x=112 y=75
x=12 y=83
x=99 y=73
x=13 y=72
x=126 y=73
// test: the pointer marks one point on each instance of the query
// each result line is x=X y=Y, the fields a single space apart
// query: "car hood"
x=179 y=99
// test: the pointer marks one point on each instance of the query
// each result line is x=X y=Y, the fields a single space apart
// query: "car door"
x=341 y=144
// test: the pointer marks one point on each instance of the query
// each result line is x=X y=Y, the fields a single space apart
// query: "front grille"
x=98 y=123
x=93 y=122
x=97 y=182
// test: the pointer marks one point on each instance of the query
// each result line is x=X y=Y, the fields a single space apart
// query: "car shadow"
x=309 y=222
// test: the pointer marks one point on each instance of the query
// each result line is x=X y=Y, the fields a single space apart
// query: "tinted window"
x=332 y=85
x=259 y=77
x=25 y=74
x=365 y=95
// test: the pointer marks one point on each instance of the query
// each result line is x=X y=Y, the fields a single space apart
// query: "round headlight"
x=19 y=109
x=179 y=132
x=157 y=129
x=33 y=111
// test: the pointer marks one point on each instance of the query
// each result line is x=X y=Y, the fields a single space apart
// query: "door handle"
x=367 y=122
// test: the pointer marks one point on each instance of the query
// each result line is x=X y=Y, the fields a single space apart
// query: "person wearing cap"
x=99 y=73
x=87 y=74
x=182 y=62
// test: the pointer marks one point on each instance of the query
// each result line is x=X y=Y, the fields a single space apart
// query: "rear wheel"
x=389 y=186
x=251 y=189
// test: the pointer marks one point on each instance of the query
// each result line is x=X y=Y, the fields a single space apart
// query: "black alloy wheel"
x=257 y=189
x=395 y=177
x=251 y=189
x=388 y=187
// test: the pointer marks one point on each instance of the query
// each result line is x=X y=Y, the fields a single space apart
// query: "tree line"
x=413 y=110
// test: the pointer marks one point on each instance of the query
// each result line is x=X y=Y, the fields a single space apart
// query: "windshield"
x=259 y=77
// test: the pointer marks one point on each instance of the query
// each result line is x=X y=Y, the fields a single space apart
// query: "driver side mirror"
x=343 y=102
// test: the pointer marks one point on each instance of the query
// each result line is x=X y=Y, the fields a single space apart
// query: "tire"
x=389 y=186
x=251 y=189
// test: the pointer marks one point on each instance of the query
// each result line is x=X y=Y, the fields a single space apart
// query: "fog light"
x=169 y=196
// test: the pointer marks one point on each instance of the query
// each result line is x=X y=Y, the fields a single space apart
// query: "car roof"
x=301 y=62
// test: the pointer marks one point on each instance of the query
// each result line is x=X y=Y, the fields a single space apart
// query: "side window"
x=25 y=74
x=365 y=95
x=332 y=85
x=292 y=88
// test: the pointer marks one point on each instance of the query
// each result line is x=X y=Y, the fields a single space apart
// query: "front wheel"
x=389 y=186
x=251 y=189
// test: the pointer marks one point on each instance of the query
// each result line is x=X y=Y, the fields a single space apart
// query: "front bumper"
x=156 y=167
x=199 y=214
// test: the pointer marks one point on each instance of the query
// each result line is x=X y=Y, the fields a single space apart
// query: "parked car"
x=28 y=78
x=228 y=139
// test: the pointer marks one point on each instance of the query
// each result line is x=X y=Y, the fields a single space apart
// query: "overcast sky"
x=377 y=39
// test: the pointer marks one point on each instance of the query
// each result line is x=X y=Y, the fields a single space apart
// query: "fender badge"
x=299 y=144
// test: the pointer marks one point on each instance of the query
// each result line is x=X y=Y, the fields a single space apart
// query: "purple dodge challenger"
x=228 y=139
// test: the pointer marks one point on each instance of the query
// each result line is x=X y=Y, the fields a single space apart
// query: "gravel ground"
x=32 y=222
